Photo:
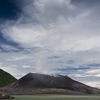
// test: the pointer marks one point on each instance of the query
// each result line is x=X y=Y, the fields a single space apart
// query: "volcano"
x=38 y=83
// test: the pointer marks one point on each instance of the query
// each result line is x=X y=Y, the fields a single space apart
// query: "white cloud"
x=17 y=58
x=25 y=35
x=8 y=47
x=25 y=66
x=79 y=75
x=97 y=75
x=88 y=44
x=64 y=34
x=56 y=28
x=93 y=84
x=93 y=72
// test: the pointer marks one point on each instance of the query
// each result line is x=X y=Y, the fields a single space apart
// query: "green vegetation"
x=57 y=97
x=6 y=78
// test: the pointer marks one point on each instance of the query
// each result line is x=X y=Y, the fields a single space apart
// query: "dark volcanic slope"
x=34 y=80
x=6 y=78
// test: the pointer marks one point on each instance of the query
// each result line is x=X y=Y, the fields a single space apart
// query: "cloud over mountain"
x=45 y=35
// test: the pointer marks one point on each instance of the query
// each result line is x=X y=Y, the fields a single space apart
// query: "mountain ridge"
x=6 y=78
x=36 y=83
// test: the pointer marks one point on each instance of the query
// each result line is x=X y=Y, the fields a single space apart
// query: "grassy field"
x=57 y=97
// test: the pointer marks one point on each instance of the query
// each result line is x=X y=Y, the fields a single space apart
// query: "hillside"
x=34 y=83
x=6 y=78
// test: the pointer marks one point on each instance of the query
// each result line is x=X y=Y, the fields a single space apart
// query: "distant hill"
x=6 y=78
x=41 y=83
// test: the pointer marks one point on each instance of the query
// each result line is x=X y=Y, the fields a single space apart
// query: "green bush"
x=6 y=78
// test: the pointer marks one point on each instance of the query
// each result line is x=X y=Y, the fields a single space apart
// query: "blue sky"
x=51 y=36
